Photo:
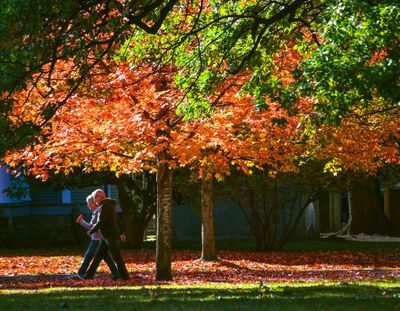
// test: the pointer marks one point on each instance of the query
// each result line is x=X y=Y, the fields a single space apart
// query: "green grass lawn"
x=330 y=296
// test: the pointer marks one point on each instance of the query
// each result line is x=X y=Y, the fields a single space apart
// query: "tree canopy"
x=357 y=61
x=347 y=53
x=221 y=84
x=35 y=36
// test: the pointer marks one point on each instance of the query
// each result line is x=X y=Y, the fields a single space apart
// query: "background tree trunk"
x=256 y=228
x=392 y=207
x=164 y=222
x=208 y=251
x=367 y=208
x=137 y=195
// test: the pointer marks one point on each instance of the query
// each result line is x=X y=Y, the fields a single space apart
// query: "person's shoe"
x=88 y=277
x=115 y=278
x=76 y=277
x=80 y=276
x=124 y=278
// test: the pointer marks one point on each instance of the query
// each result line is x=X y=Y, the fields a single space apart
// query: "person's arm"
x=103 y=216
x=82 y=222
x=85 y=224
x=122 y=235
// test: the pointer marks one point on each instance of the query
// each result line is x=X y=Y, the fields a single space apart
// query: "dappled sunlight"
x=213 y=297
x=231 y=267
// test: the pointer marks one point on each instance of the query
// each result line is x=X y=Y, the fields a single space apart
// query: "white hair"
x=89 y=198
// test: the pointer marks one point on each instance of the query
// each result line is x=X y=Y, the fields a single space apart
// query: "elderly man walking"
x=109 y=227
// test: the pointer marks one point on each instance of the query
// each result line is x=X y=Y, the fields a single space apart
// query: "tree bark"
x=324 y=221
x=134 y=229
x=208 y=251
x=367 y=208
x=164 y=222
x=256 y=228
x=138 y=200
x=392 y=206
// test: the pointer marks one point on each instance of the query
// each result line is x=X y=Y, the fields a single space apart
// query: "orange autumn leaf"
x=49 y=269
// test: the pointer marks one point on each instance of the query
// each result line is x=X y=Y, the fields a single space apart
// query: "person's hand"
x=79 y=219
x=122 y=237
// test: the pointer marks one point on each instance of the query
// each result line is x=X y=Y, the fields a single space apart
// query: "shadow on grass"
x=262 y=297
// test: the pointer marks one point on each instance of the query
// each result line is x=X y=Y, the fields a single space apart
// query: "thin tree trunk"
x=350 y=203
x=346 y=229
x=129 y=214
x=164 y=223
x=367 y=208
x=257 y=229
x=208 y=251
x=137 y=199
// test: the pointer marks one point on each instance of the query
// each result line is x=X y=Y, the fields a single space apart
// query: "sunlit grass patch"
x=274 y=296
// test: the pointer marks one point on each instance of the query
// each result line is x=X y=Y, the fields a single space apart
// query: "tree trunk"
x=134 y=229
x=392 y=206
x=137 y=198
x=208 y=251
x=257 y=229
x=367 y=208
x=164 y=223
x=324 y=221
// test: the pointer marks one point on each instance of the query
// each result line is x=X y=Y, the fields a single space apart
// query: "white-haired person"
x=95 y=238
x=108 y=225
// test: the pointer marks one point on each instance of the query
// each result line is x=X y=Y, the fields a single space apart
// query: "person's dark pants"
x=112 y=245
x=90 y=252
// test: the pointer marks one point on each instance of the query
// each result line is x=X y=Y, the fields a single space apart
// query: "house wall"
x=24 y=225
x=229 y=224
x=55 y=226
x=49 y=219
x=5 y=182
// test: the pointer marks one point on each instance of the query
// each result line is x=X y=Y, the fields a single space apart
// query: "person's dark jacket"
x=108 y=223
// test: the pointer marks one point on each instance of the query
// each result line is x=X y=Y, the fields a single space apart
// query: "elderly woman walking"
x=96 y=237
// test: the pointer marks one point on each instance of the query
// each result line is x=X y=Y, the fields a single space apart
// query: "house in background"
x=47 y=217
x=5 y=182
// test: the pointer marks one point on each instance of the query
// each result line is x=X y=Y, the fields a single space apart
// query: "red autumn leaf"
x=232 y=267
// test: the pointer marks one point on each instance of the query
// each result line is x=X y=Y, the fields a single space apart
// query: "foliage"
x=35 y=33
x=144 y=118
x=348 y=49
x=142 y=123
x=36 y=36
x=358 y=60
x=211 y=41
x=364 y=142
x=55 y=32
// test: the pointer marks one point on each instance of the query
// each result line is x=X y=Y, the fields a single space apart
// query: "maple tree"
x=125 y=120
x=215 y=39
x=125 y=137
x=37 y=38
x=141 y=131
x=357 y=61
